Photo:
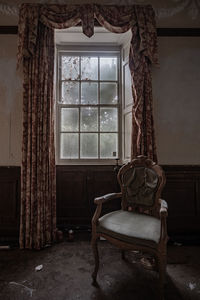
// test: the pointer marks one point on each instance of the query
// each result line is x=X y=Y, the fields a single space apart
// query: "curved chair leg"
x=162 y=262
x=96 y=256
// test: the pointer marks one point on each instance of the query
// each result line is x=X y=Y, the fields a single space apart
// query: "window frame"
x=87 y=50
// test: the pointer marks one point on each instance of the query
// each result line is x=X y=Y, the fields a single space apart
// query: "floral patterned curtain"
x=36 y=51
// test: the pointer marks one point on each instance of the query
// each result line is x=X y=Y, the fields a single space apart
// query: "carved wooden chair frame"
x=158 y=210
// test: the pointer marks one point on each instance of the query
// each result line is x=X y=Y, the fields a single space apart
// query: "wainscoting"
x=9 y=202
x=78 y=185
x=182 y=192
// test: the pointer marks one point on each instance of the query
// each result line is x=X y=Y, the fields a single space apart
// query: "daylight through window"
x=88 y=105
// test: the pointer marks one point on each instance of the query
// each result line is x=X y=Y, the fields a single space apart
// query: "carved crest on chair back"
x=141 y=183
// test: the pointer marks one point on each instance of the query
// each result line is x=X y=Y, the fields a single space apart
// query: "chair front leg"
x=162 y=263
x=96 y=257
x=94 y=240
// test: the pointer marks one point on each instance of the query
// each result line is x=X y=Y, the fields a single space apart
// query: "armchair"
x=141 y=222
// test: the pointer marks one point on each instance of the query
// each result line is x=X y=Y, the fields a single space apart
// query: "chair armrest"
x=99 y=201
x=163 y=218
x=163 y=203
x=163 y=208
x=107 y=197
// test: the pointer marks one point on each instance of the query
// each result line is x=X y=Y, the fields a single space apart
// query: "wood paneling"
x=103 y=181
x=72 y=206
x=8 y=29
x=77 y=186
x=9 y=201
x=182 y=192
x=183 y=196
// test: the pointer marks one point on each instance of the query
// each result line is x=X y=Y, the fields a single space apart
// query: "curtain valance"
x=117 y=19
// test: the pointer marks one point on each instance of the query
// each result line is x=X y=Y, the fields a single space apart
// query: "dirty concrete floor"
x=67 y=267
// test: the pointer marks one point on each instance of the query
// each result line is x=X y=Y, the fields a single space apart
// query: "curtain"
x=36 y=52
x=38 y=177
x=143 y=53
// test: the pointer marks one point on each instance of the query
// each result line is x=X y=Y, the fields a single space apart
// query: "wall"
x=176 y=91
x=10 y=103
x=176 y=112
x=170 y=13
x=175 y=87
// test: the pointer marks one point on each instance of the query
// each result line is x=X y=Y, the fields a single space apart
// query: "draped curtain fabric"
x=36 y=51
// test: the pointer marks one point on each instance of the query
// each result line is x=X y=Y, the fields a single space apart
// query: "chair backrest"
x=141 y=182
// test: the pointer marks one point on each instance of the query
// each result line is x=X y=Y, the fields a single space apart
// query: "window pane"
x=108 y=93
x=89 y=93
x=108 y=145
x=89 y=148
x=70 y=67
x=89 y=68
x=108 y=119
x=69 y=145
x=108 y=68
x=89 y=119
x=69 y=119
x=70 y=92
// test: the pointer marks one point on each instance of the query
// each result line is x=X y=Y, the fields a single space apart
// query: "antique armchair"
x=141 y=222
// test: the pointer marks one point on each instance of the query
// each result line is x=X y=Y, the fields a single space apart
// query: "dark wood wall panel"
x=9 y=201
x=183 y=196
x=77 y=186
x=72 y=206
x=101 y=181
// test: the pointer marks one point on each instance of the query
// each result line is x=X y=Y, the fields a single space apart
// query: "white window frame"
x=87 y=50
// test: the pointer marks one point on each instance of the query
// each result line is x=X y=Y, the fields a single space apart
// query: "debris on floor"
x=70 y=235
x=148 y=262
x=59 y=236
x=39 y=268
x=177 y=244
x=67 y=269
x=192 y=286
x=7 y=247
x=29 y=290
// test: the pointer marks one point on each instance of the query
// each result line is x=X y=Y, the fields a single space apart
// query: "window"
x=88 y=105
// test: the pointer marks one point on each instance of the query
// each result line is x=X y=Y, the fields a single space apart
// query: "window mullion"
x=79 y=109
x=98 y=107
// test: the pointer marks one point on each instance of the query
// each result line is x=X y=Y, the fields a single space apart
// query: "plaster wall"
x=176 y=87
x=10 y=103
x=170 y=13
x=176 y=91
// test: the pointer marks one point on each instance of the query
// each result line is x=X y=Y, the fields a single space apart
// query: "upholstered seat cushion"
x=130 y=227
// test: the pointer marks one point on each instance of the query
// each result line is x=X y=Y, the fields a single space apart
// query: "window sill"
x=87 y=162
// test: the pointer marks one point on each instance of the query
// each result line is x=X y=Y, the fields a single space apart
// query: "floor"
x=65 y=273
